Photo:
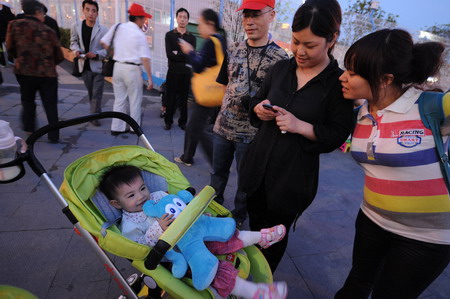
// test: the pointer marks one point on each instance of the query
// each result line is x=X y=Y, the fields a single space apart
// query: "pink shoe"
x=272 y=235
x=276 y=290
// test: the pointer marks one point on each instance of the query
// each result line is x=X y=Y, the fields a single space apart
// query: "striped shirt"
x=404 y=190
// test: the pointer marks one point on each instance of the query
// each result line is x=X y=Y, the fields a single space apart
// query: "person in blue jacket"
x=196 y=130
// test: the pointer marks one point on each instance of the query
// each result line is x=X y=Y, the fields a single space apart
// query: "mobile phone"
x=180 y=40
x=269 y=107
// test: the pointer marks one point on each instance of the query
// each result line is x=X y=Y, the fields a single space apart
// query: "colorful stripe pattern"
x=402 y=172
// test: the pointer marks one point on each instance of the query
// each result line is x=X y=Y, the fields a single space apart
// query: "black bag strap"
x=111 y=44
x=432 y=115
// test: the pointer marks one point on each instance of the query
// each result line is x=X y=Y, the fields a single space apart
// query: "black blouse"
x=288 y=164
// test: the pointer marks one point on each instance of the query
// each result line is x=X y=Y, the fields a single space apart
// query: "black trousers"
x=260 y=217
x=199 y=130
x=48 y=90
x=389 y=265
x=177 y=90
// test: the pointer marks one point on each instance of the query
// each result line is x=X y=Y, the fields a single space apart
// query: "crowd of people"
x=278 y=114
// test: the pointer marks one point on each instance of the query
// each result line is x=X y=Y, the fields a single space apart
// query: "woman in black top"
x=309 y=117
x=196 y=130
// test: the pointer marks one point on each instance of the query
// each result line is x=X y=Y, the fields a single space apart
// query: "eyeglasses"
x=254 y=14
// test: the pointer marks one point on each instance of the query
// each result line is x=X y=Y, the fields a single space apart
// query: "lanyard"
x=255 y=72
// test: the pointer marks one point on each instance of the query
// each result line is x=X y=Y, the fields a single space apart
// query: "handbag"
x=108 y=61
x=75 y=68
x=206 y=90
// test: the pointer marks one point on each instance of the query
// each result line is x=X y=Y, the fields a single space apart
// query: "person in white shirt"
x=130 y=52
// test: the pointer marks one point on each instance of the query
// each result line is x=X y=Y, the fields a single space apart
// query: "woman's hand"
x=287 y=122
x=263 y=113
x=165 y=221
x=186 y=47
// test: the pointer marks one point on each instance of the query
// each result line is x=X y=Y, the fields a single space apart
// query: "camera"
x=246 y=101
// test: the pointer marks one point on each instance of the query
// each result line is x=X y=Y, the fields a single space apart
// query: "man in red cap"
x=131 y=51
x=243 y=70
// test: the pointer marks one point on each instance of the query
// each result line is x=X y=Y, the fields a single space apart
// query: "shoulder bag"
x=75 y=68
x=206 y=90
x=108 y=61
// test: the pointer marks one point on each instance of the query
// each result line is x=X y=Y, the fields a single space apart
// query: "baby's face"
x=132 y=197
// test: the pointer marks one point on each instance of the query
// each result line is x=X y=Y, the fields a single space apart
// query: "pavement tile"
x=29 y=259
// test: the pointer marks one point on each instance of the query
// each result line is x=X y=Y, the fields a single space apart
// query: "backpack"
x=432 y=114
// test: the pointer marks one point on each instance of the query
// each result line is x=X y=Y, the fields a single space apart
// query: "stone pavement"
x=40 y=252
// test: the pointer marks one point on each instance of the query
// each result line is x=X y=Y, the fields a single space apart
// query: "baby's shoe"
x=272 y=235
x=276 y=290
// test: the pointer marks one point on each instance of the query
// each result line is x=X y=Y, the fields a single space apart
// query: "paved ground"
x=40 y=252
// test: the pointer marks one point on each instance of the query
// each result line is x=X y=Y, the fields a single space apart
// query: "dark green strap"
x=432 y=115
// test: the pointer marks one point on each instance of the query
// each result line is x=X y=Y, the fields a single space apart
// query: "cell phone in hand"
x=180 y=40
x=269 y=107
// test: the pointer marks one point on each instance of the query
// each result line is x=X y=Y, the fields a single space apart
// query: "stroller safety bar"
x=178 y=228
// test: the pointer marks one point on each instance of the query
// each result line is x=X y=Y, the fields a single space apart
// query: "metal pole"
x=76 y=10
x=172 y=12
x=61 y=19
x=126 y=10
x=117 y=11
x=221 y=7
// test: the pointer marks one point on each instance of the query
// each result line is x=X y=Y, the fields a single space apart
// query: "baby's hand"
x=165 y=221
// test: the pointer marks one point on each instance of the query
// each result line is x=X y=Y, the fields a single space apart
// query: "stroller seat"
x=92 y=210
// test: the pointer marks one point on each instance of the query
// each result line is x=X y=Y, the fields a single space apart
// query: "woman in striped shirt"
x=402 y=240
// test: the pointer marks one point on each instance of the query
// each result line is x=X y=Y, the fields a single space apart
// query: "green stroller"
x=95 y=220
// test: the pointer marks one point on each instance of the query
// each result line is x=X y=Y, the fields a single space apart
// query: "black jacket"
x=288 y=164
x=178 y=61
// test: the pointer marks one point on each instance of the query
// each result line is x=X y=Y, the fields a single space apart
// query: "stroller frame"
x=166 y=241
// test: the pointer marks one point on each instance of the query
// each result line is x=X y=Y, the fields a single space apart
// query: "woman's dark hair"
x=210 y=15
x=181 y=9
x=116 y=175
x=322 y=17
x=392 y=51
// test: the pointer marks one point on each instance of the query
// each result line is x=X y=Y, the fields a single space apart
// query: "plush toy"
x=202 y=262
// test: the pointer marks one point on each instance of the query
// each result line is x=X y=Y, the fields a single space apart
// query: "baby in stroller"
x=125 y=188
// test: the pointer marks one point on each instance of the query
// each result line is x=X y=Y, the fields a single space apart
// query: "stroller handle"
x=37 y=167
x=178 y=228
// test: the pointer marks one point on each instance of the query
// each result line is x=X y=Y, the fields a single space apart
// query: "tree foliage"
x=359 y=20
x=442 y=30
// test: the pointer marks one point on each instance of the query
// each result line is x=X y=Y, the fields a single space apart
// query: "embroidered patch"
x=410 y=137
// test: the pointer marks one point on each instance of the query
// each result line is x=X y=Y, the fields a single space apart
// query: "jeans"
x=389 y=265
x=48 y=90
x=223 y=155
x=197 y=131
x=94 y=83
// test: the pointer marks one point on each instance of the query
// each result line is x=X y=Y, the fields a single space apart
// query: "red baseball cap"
x=256 y=4
x=138 y=11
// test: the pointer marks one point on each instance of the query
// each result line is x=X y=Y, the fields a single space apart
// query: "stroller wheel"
x=132 y=279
